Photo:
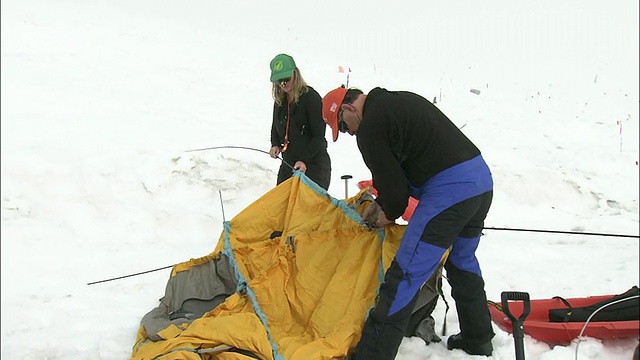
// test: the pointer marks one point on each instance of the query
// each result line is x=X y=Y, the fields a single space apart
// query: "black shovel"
x=517 y=323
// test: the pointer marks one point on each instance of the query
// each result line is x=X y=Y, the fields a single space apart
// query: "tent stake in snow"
x=222 y=206
x=346 y=179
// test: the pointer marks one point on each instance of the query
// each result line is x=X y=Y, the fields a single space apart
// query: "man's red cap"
x=330 y=108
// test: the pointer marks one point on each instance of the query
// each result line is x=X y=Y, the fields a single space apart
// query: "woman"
x=297 y=130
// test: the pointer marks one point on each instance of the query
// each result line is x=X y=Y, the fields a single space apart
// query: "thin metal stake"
x=222 y=206
x=346 y=180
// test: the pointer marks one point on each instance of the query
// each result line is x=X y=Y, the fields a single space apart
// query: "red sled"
x=538 y=326
x=413 y=202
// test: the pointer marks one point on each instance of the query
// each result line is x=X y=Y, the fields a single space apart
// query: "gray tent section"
x=190 y=294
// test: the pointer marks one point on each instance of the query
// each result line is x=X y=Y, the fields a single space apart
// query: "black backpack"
x=627 y=309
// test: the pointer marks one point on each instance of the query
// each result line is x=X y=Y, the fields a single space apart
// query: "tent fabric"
x=292 y=276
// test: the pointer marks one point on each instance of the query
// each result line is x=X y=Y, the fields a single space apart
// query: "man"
x=413 y=149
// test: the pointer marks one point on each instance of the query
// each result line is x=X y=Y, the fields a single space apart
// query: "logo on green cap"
x=282 y=66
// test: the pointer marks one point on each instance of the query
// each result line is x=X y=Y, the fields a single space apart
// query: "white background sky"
x=100 y=100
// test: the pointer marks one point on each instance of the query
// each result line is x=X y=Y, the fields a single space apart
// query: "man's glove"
x=426 y=330
x=370 y=215
x=374 y=217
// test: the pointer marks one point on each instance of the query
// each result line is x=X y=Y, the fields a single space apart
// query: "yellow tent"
x=292 y=277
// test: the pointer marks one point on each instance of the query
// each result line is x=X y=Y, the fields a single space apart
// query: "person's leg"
x=319 y=175
x=467 y=289
x=319 y=170
x=467 y=286
x=383 y=332
x=284 y=173
x=422 y=247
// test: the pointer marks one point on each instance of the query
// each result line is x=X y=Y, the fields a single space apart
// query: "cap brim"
x=330 y=109
x=335 y=132
x=281 y=75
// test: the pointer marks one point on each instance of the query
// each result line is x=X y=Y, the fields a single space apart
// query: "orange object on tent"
x=411 y=207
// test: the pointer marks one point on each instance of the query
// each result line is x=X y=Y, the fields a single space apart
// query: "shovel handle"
x=518 y=328
x=517 y=296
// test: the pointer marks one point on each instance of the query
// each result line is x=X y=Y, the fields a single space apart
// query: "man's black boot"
x=457 y=342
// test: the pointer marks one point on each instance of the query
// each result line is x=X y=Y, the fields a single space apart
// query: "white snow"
x=102 y=99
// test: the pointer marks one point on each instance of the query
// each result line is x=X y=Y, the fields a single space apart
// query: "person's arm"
x=275 y=138
x=387 y=173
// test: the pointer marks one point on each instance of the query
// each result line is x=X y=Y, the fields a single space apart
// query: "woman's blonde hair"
x=299 y=87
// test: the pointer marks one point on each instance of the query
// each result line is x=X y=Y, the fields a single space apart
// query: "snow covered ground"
x=102 y=99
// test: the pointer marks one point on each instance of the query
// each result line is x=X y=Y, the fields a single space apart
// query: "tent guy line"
x=485 y=228
x=130 y=275
x=345 y=177
x=565 y=232
x=239 y=147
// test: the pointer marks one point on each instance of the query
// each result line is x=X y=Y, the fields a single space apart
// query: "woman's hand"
x=274 y=152
x=299 y=165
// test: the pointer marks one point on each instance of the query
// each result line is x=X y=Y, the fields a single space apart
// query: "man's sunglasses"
x=283 y=82
x=342 y=125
